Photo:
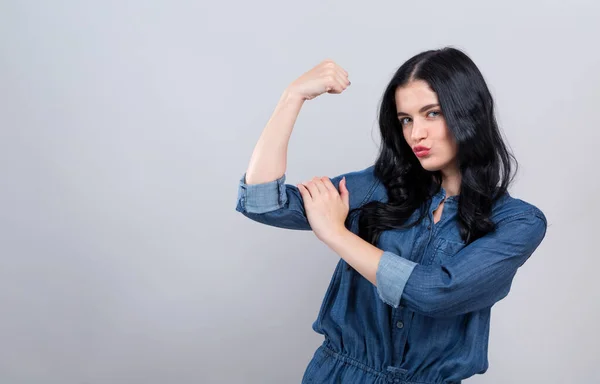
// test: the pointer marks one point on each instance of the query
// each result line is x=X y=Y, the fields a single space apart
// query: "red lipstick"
x=421 y=151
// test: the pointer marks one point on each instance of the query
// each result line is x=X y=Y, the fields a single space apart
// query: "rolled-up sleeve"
x=278 y=204
x=263 y=197
x=476 y=277
x=391 y=276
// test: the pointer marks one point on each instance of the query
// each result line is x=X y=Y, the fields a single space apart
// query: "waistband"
x=391 y=375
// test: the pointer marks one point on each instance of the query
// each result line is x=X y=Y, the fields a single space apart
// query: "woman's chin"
x=430 y=165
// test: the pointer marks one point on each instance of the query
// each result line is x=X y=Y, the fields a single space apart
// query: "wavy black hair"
x=484 y=161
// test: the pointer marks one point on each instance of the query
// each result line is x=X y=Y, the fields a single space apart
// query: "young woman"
x=428 y=236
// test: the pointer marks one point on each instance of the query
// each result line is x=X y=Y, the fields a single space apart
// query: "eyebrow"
x=420 y=110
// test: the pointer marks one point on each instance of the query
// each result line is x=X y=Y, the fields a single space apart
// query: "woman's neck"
x=451 y=181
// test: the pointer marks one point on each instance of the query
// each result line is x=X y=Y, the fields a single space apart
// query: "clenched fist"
x=327 y=76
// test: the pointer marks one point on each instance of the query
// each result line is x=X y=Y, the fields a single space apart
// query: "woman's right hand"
x=327 y=76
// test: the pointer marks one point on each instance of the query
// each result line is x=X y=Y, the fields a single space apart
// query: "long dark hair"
x=483 y=158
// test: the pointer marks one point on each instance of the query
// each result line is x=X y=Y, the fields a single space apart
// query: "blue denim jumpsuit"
x=428 y=319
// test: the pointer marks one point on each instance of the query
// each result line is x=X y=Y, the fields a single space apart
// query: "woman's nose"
x=418 y=131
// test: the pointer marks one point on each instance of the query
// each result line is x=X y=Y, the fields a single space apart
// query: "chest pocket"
x=443 y=249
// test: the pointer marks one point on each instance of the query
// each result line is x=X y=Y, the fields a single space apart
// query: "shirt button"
x=429 y=227
x=400 y=324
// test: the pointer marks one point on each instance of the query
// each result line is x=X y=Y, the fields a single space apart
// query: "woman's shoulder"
x=364 y=173
x=361 y=183
x=360 y=178
x=509 y=207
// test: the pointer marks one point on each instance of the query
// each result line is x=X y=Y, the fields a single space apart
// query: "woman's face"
x=424 y=127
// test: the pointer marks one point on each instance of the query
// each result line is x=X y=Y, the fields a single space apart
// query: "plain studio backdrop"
x=126 y=126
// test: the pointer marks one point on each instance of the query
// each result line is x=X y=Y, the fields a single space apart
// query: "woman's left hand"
x=326 y=209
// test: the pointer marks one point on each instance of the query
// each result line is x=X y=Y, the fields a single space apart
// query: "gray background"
x=125 y=127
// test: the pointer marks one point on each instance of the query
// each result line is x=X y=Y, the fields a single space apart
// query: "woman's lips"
x=421 y=151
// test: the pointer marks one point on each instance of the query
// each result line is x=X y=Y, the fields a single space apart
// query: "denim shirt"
x=428 y=318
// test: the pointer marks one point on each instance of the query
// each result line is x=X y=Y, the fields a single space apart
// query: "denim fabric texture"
x=428 y=319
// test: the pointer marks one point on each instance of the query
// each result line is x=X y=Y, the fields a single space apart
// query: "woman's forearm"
x=269 y=158
x=361 y=255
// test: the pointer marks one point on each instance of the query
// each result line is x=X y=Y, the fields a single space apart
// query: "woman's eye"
x=402 y=121
x=437 y=112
